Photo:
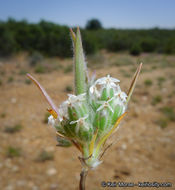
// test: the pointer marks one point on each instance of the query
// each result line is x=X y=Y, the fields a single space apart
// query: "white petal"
x=100 y=80
x=51 y=120
x=101 y=107
x=91 y=89
x=123 y=95
x=110 y=109
x=73 y=122
x=110 y=99
x=112 y=84
x=115 y=80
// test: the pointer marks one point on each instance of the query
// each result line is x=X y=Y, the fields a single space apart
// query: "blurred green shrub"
x=7 y=41
x=156 y=99
x=170 y=46
x=148 y=82
x=44 y=156
x=93 y=24
x=162 y=122
x=148 y=44
x=28 y=81
x=10 y=79
x=13 y=129
x=40 y=69
x=35 y=58
x=51 y=39
x=168 y=112
x=13 y=152
x=135 y=49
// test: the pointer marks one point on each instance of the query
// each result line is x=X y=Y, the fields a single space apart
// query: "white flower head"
x=109 y=81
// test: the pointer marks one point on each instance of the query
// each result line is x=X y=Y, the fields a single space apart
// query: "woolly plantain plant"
x=88 y=118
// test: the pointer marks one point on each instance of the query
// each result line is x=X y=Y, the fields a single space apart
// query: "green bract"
x=88 y=118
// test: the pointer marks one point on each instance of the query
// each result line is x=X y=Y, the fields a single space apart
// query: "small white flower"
x=63 y=110
x=121 y=95
x=80 y=122
x=109 y=81
x=93 y=90
x=75 y=99
x=105 y=104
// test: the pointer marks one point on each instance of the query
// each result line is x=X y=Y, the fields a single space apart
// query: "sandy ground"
x=144 y=151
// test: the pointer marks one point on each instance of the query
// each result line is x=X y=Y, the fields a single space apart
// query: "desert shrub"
x=170 y=46
x=13 y=152
x=51 y=39
x=148 y=82
x=10 y=79
x=161 y=80
x=135 y=49
x=116 y=42
x=35 y=58
x=22 y=72
x=162 y=122
x=13 y=129
x=90 y=42
x=156 y=99
x=148 y=44
x=93 y=24
x=44 y=156
x=40 y=69
x=28 y=81
x=3 y=115
x=7 y=41
x=169 y=113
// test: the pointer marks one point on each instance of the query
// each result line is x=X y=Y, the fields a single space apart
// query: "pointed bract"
x=47 y=97
x=79 y=66
x=133 y=83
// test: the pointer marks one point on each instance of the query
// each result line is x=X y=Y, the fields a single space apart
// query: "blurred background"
x=117 y=35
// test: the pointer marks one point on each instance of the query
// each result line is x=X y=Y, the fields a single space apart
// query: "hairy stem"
x=83 y=175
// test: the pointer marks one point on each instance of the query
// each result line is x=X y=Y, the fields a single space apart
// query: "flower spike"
x=89 y=117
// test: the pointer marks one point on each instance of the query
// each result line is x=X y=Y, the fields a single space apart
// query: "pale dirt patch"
x=143 y=152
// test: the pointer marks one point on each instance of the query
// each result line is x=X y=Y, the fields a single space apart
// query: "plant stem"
x=83 y=175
